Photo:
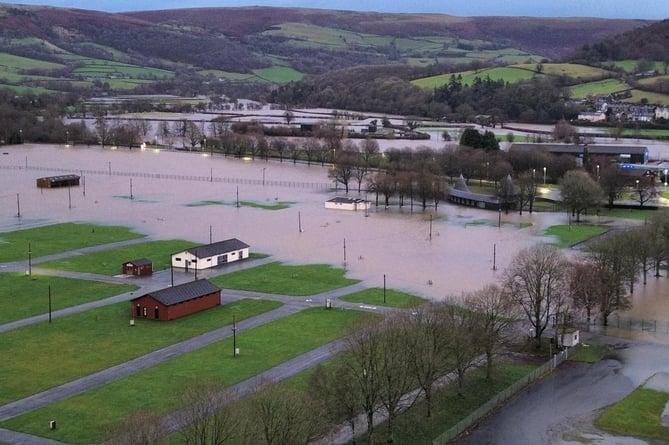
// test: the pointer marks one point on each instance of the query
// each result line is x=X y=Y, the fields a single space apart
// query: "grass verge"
x=638 y=414
x=570 y=235
x=375 y=296
x=109 y=262
x=24 y=296
x=282 y=279
x=59 y=238
x=45 y=355
x=82 y=418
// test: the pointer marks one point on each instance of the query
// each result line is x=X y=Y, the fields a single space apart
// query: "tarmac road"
x=560 y=409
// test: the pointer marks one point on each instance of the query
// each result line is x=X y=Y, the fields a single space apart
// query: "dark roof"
x=184 y=292
x=578 y=148
x=139 y=262
x=343 y=200
x=220 y=247
x=466 y=194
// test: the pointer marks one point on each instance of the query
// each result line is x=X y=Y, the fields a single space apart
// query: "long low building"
x=211 y=255
x=632 y=154
x=58 y=181
x=177 y=301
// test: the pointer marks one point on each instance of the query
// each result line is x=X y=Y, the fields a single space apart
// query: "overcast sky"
x=637 y=9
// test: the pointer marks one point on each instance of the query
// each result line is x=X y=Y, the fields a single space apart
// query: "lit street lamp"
x=544 y=175
x=597 y=172
x=665 y=176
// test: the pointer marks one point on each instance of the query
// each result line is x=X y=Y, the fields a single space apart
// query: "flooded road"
x=168 y=194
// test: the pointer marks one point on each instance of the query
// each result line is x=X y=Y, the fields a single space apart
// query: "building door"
x=222 y=259
x=155 y=313
x=138 y=311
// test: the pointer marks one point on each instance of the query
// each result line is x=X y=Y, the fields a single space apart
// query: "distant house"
x=177 y=301
x=139 y=267
x=341 y=203
x=58 y=181
x=211 y=255
x=631 y=154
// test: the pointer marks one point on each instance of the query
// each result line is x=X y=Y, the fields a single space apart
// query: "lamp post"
x=544 y=175
x=234 y=336
x=534 y=171
x=597 y=172
x=665 y=176
x=263 y=176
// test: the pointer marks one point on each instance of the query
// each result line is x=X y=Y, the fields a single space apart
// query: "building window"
x=144 y=311
x=177 y=259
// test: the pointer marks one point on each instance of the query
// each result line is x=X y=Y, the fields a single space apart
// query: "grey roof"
x=217 y=248
x=578 y=148
x=343 y=200
x=466 y=194
x=139 y=262
x=184 y=292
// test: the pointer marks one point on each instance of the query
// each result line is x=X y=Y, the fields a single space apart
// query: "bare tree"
x=140 y=428
x=429 y=342
x=527 y=190
x=494 y=313
x=206 y=419
x=536 y=280
x=343 y=168
x=579 y=192
x=463 y=347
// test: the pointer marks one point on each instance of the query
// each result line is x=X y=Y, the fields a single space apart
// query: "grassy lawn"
x=638 y=414
x=393 y=298
x=569 y=235
x=448 y=408
x=639 y=214
x=32 y=292
x=109 y=262
x=59 y=238
x=282 y=279
x=590 y=352
x=45 y=355
x=279 y=205
x=82 y=418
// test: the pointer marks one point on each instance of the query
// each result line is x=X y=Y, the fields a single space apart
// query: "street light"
x=597 y=172
x=665 y=176
x=544 y=175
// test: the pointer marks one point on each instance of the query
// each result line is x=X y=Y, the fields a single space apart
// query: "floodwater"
x=435 y=254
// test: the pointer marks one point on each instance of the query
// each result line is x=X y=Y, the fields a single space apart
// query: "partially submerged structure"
x=211 y=255
x=58 y=181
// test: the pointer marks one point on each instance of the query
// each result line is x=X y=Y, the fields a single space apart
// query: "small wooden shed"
x=177 y=301
x=58 y=181
x=139 y=267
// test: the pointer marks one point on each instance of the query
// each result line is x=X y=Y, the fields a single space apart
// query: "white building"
x=341 y=203
x=211 y=255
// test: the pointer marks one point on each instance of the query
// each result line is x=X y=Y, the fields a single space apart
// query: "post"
x=171 y=273
x=263 y=176
x=544 y=175
x=131 y=197
x=499 y=216
x=237 y=196
x=18 y=206
x=49 y=303
x=299 y=222
x=344 y=251
x=109 y=165
x=209 y=233
x=69 y=197
x=430 y=227
x=384 y=288
x=494 y=257
x=234 y=336
x=211 y=175
x=30 y=262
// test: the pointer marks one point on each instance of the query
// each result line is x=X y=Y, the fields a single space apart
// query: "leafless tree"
x=207 y=419
x=463 y=347
x=494 y=313
x=536 y=281
x=141 y=428
x=579 y=192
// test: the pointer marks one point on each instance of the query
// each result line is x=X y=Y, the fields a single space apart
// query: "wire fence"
x=639 y=324
x=460 y=427
x=174 y=177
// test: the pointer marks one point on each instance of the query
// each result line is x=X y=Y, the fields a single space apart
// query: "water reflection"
x=453 y=250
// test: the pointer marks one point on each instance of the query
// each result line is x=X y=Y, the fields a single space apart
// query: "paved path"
x=291 y=305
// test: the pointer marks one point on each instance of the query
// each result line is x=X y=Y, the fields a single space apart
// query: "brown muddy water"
x=435 y=254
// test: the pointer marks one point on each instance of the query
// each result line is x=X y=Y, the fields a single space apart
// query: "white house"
x=211 y=255
x=341 y=203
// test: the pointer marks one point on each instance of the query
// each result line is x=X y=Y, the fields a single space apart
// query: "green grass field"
x=109 y=262
x=569 y=235
x=508 y=74
x=375 y=296
x=282 y=279
x=10 y=62
x=82 y=418
x=638 y=414
x=25 y=296
x=46 y=355
x=58 y=238
x=607 y=86
x=652 y=98
x=278 y=74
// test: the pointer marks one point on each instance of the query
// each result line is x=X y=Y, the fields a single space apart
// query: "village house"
x=211 y=255
x=177 y=301
x=343 y=203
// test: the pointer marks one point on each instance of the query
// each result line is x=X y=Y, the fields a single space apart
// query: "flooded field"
x=185 y=195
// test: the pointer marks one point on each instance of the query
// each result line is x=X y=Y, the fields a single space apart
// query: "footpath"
x=291 y=305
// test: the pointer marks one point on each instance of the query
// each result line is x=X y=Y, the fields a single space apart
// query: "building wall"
x=186 y=259
x=147 y=307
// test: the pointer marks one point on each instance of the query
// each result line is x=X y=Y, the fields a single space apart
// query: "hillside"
x=46 y=49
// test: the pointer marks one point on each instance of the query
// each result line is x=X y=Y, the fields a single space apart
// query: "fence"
x=632 y=324
x=210 y=178
x=500 y=398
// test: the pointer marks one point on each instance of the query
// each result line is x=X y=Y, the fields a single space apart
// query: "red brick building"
x=140 y=267
x=178 y=301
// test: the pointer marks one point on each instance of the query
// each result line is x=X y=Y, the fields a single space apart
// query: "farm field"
x=607 y=86
x=81 y=418
x=33 y=294
x=508 y=74
x=639 y=96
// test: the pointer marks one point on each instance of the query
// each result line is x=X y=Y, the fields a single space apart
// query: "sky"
x=628 y=9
